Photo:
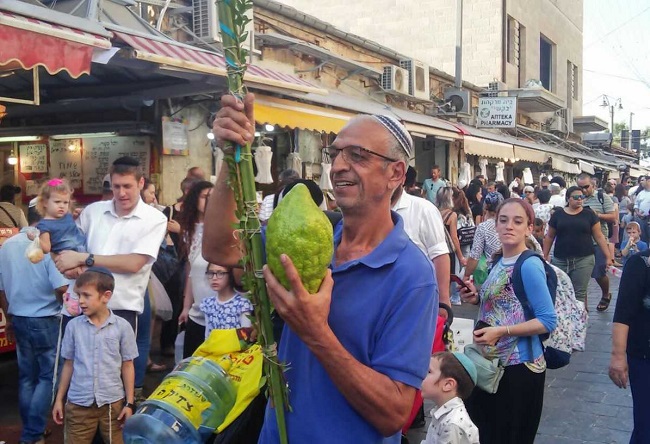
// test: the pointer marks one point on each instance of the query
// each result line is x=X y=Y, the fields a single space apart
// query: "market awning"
x=427 y=125
x=28 y=42
x=564 y=166
x=531 y=155
x=636 y=173
x=176 y=55
x=487 y=148
x=418 y=124
x=287 y=113
x=586 y=167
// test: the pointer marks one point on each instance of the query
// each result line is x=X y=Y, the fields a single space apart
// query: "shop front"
x=117 y=87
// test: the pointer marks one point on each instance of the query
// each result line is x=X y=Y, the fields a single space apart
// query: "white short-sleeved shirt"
x=423 y=224
x=266 y=208
x=142 y=232
x=642 y=203
x=557 y=200
x=451 y=423
x=200 y=284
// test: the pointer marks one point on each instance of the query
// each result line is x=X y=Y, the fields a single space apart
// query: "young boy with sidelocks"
x=98 y=348
x=451 y=379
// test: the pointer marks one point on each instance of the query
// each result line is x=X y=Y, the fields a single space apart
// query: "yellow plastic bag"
x=242 y=361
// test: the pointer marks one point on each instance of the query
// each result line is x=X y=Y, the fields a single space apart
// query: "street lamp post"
x=612 y=103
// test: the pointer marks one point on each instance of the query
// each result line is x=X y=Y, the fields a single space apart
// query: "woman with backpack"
x=503 y=332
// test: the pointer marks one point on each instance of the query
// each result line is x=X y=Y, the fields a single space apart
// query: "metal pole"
x=630 y=133
x=459 y=43
x=611 y=116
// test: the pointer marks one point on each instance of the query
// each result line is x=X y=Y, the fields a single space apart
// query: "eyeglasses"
x=354 y=154
x=578 y=197
x=218 y=274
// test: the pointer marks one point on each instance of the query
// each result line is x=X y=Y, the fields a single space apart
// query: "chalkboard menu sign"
x=99 y=153
x=65 y=161
x=33 y=158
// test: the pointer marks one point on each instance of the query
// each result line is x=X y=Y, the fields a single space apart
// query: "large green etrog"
x=299 y=229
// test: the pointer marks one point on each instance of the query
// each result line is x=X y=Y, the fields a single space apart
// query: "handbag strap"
x=10 y=217
x=447 y=218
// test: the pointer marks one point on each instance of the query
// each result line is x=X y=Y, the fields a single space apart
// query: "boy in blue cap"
x=98 y=348
x=451 y=379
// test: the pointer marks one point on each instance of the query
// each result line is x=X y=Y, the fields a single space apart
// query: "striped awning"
x=28 y=42
x=174 y=54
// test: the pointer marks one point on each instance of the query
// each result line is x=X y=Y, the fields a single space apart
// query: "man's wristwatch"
x=130 y=405
x=90 y=260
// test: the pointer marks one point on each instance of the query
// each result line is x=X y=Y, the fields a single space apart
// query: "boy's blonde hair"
x=56 y=185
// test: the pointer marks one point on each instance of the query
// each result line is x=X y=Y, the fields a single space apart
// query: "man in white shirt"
x=556 y=199
x=423 y=224
x=642 y=209
x=124 y=235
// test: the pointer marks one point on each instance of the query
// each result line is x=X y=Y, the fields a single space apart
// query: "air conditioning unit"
x=558 y=125
x=418 y=78
x=205 y=21
x=457 y=101
x=562 y=122
x=395 y=80
x=496 y=89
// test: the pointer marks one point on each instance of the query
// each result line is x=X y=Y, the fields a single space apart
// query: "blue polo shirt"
x=383 y=311
x=29 y=287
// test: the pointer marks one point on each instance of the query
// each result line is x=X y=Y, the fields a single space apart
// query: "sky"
x=616 y=59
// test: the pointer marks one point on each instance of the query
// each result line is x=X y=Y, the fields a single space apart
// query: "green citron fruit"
x=299 y=229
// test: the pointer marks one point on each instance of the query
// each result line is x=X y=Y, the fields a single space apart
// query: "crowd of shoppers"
x=367 y=356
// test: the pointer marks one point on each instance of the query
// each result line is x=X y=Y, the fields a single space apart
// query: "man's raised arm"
x=220 y=243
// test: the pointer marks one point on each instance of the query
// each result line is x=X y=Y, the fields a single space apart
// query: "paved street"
x=581 y=405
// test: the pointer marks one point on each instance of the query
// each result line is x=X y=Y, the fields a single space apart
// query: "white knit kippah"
x=398 y=131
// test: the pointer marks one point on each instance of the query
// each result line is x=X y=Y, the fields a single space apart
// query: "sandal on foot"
x=604 y=302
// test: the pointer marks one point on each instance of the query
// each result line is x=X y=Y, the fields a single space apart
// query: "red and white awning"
x=181 y=56
x=28 y=42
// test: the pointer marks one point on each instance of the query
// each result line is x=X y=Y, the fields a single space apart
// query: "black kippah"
x=128 y=161
x=102 y=270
